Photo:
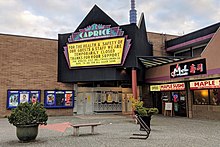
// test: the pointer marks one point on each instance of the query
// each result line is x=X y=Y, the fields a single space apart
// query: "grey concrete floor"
x=116 y=130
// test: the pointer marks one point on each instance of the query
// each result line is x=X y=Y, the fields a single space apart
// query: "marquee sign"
x=111 y=50
x=188 y=68
x=205 y=84
x=168 y=87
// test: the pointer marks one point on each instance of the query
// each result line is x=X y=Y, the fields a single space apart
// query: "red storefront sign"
x=174 y=86
x=205 y=84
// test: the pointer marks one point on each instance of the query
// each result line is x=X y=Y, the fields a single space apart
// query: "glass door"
x=179 y=102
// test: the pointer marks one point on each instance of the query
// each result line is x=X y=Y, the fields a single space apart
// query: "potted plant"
x=143 y=112
x=27 y=117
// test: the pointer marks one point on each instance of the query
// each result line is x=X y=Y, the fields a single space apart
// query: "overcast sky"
x=47 y=18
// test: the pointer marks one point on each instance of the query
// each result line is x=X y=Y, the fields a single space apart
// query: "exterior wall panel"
x=28 y=63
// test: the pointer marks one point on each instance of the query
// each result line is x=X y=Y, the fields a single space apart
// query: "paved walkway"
x=115 y=132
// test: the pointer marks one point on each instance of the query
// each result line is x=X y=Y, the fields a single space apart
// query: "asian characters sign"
x=188 y=68
x=205 y=84
x=84 y=50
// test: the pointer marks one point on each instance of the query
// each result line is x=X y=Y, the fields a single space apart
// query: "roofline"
x=28 y=36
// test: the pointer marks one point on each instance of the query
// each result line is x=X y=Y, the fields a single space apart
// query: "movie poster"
x=68 y=98
x=24 y=97
x=34 y=96
x=13 y=99
x=60 y=98
x=50 y=99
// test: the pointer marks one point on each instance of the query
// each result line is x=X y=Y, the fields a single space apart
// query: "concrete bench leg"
x=92 y=129
x=76 y=131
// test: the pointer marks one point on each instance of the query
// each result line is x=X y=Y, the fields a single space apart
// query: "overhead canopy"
x=153 y=61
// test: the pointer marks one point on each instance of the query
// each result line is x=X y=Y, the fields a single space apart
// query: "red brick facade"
x=29 y=63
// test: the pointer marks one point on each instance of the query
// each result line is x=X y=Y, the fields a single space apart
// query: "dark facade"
x=139 y=46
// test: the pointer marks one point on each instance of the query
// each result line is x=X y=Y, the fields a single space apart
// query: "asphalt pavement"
x=116 y=130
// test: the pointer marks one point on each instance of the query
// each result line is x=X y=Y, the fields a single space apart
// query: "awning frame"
x=154 y=61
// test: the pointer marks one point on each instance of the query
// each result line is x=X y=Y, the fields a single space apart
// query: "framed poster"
x=168 y=106
x=15 y=97
x=59 y=98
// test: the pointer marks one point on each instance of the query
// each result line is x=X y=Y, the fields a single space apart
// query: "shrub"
x=143 y=111
x=28 y=113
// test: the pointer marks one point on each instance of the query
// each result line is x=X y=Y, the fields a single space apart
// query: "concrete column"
x=134 y=83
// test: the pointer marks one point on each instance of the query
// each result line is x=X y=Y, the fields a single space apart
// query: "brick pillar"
x=134 y=83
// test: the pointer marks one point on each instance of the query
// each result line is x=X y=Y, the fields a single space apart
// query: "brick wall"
x=29 y=63
x=158 y=41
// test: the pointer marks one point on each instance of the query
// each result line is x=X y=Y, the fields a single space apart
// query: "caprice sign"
x=97 y=45
x=205 y=84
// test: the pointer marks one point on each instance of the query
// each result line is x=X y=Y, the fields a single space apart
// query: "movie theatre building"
x=100 y=59
x=102 y=66
x=192 y=84
x=93 y=69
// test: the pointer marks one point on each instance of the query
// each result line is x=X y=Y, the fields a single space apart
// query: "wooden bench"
x=77 y=126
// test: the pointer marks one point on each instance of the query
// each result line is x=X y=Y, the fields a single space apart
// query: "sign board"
x=188 y=68
x=154 y=87
x=101 y=52
x=205 y=84
x=173 y=86
x=168 y=87
x=97 y=45
x=169 y=106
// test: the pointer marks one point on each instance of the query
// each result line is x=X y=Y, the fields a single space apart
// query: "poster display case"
x=59 y=98
x=15 y=97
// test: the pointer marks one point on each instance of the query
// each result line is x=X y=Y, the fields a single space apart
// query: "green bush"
x=28 y=113
x=143 y=111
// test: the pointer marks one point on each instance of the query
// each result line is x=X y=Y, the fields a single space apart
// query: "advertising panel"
x=154 y=87
x=97 y=45
x=188 y=68
x=15 y=97
x=93 y=53
x=205 y=84
x=59 y=99
x=168 y=87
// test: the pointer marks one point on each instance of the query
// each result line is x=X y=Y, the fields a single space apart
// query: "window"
x=187 y=53
x=197 y=51
x=201 y=97
x=215 y=96
x=206 y=97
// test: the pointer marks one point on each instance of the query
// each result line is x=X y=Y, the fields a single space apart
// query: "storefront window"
x=201 y=97
x=215 y=96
